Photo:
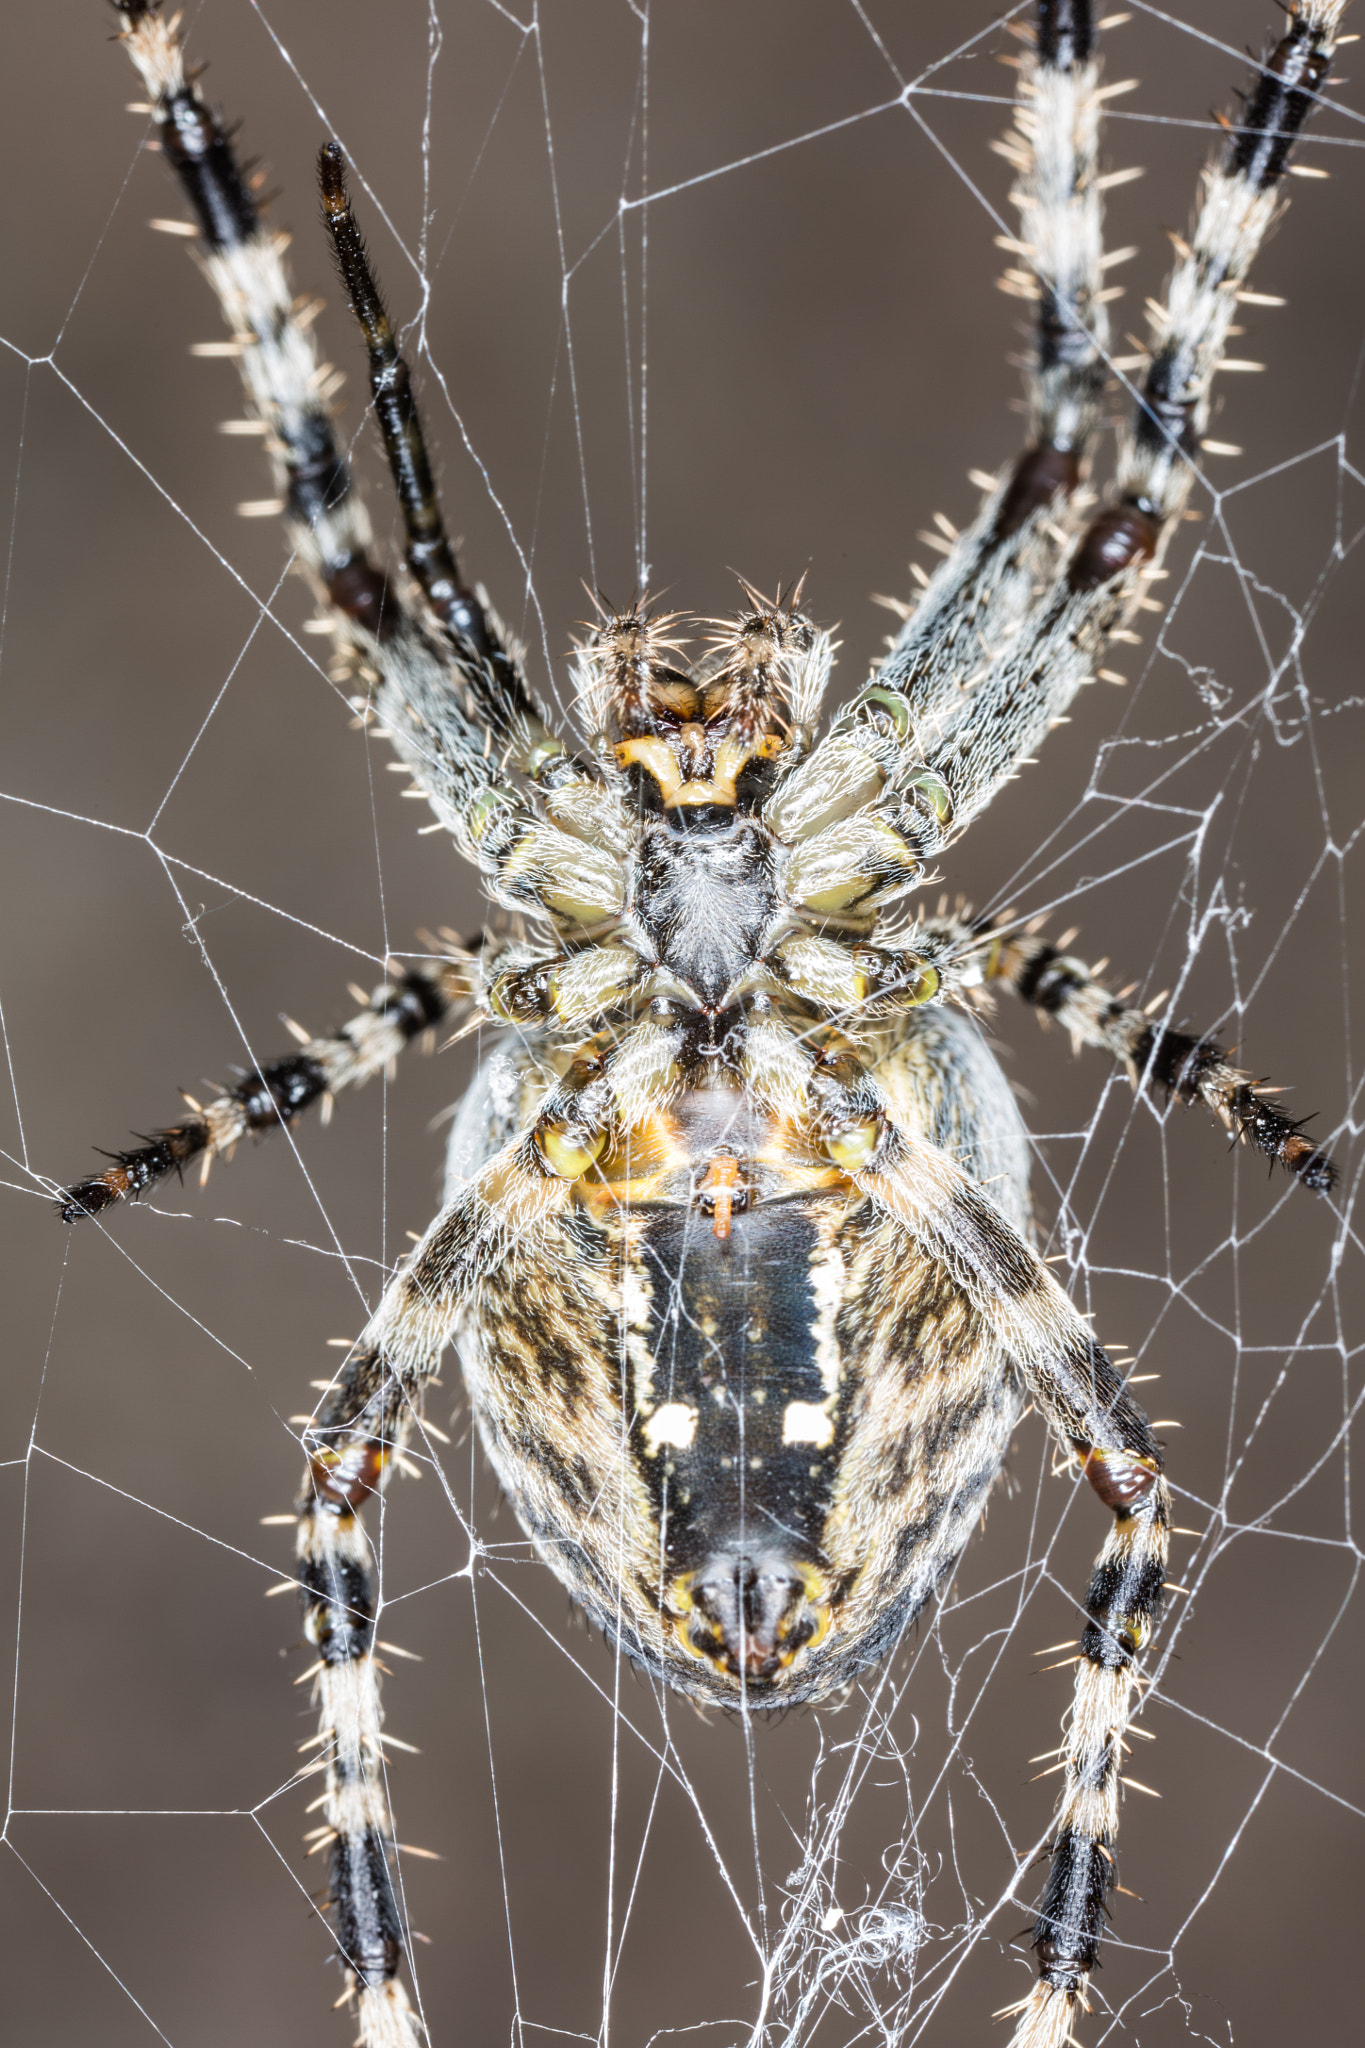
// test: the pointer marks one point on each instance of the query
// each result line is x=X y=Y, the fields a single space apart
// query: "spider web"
x=691 y=288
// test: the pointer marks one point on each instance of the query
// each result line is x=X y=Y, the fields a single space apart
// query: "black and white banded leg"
x=1012 y=710
x=1241 y=198
x=273 y=1095
x=1123 y=1605
x=442 y=678
x=288 y=389
x=361 y=1428
x=996 y=653
x=488 y=664
x=978 y=596
x=1073 y=1382
x=1058 y=985
x=352 y=1444
x=1189 y=1069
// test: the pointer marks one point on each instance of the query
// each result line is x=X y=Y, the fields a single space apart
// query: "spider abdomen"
x=743 y=1425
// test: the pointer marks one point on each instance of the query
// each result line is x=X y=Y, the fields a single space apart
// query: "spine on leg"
x=1123 y=1605
x=337 y=1586
x=1190 y=327
x=278 y=1092
x=1188 y=1069
x=288 y=390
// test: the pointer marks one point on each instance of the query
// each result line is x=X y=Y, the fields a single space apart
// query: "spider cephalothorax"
x=739 y=883
x=736 y=1244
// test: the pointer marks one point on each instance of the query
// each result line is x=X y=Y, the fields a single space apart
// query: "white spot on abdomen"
x=674 y=1423
x=807 y=1422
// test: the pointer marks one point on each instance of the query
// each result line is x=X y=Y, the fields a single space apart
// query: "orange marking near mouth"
x=720 y=1183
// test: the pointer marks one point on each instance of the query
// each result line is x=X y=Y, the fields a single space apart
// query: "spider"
x=736 y=1245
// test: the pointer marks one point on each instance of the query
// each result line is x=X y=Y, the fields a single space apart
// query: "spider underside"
x=736 y=1244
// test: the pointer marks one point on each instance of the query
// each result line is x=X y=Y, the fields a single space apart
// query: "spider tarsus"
x=86 y=1198
x=133 y=1172
x=1197 y=1069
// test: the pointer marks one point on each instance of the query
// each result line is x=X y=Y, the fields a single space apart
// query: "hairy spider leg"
x=1240 y=200
x=488 y=665
x=1054 y=148
x=1105 y=579
x=444 y=696
x=352 y=1443
x=288 y=388
x=359 y=1430
x=1075 y=1384
x=1123 y=1603
x=975 y=608
x=921 y=780
x=980 y=593
x=274 y=1094
x=1189 y=1069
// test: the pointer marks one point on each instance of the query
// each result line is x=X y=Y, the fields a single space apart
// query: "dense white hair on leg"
x=977 y=599
x=1055 y=148
x=288 y=389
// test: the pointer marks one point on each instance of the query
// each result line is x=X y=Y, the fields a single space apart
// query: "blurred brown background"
x=825 y=349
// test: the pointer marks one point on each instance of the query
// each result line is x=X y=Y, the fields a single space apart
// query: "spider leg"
x=274 y=1094
x=1055 y=150
x=1070 y=1378
x=287 y=387
x=1122 y=1603
x=993 y=570
x=1190 y=1069
x=448 y=690
x=972 y=955
x=487 y=665
x=1190 y=328
x=352 y=1443
x=951 y=1217
x=1104 y=580
x=286 y=384
x=915 y=785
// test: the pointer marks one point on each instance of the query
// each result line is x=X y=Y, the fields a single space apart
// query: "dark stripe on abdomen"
x=732 y=1333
